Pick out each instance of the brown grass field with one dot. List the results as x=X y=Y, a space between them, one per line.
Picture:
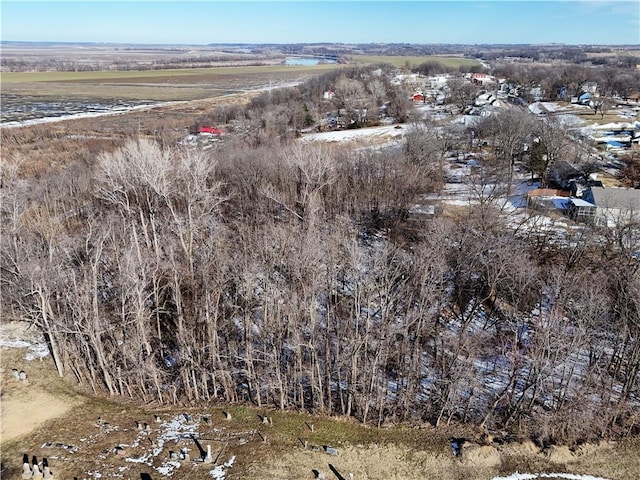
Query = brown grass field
x=159 y=85
x=178 y=75
x=52 y=146
x=414 y=61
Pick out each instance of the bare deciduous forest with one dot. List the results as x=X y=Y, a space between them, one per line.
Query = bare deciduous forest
x=295 y=276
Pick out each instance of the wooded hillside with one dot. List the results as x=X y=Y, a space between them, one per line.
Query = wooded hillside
x=297 y=276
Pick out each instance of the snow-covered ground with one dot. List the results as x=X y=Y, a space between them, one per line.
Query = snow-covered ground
x=542 y=108
x=80 y=115
x=373 y=134
x=173 y=430
x=19 y=335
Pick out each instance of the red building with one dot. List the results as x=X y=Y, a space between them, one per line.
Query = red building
x=210 y=130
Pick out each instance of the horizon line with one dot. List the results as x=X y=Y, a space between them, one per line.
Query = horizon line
x=89 y=42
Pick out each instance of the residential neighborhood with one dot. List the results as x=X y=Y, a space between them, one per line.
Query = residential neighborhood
x=596 y=197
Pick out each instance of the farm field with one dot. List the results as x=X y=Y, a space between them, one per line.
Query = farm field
x=168 y=76
x=32 y=95
x=414 y=61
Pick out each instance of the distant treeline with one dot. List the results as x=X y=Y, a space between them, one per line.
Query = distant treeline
x=50 y=59
x=115 y=64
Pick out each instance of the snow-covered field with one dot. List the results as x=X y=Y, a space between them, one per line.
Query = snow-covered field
x=173 y=431
x=104 y=111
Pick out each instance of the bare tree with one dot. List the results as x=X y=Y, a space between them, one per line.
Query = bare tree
x=554 y=141
x=460 y=92
x=509 y=133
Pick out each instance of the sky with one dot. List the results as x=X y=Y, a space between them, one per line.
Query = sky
x=610 y=22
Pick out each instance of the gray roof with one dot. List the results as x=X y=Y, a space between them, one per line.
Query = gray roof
x=623 y=198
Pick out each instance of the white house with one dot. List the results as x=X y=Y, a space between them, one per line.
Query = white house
x=438 y=81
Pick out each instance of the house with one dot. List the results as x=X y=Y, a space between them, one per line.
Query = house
x=328 y=95
x=562 y=173
x=438 y=81
x=536 y=93
x=614 y=205
x=485 y=99
x=205 y=130
x=411 y=80
x=563 y=93
x=633 y=97
x=482 y=78
x=418 y=97
x=583 y=98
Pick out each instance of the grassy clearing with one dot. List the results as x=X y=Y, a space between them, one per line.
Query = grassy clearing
x=414 y=61
x=597 y=119
x=618 y=53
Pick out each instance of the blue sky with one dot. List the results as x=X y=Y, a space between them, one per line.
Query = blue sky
x=203 y=22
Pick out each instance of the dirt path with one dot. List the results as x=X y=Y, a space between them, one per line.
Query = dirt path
x=25 y=406
x=24 y=411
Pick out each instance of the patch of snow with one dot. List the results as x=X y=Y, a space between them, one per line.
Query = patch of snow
x=142 y=459
x=14 y=344
x=460 y=203
x=389 y=131
x=76 y=116
x=12 y=335
x=538 y=108
x=218 y=472
x=172 y=430
x=37 y=351
x=167 y=468
x=616 y=126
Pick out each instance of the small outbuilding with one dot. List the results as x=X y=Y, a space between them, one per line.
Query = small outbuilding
x=547 y=199
x=209 y=130
x=581 y=210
